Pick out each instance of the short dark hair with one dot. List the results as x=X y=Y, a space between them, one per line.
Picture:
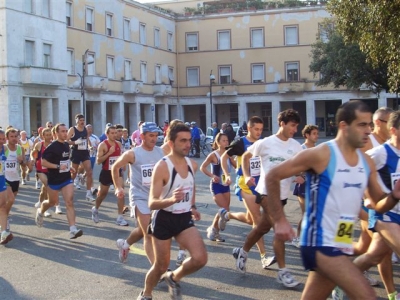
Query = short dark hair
x=175 y=129
x=119 y=126
x=289 y=115
x=254 y=120
x=307 y=129
x=57 y=127
x=394 y=120
x=79 y=116
x=347 y=111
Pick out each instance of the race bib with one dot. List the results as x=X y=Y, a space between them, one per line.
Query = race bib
x=255 y=166
x=67 y=164
x=111 y=161
x=147 y=171
x=393 y=179
x=83 y=145
x=11 y=165
x=185 y=204
x=344 y=233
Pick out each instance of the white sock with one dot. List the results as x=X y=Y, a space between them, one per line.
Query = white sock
x=125 y=245
x=88 y=192
x=72 y=228
x=120 y=217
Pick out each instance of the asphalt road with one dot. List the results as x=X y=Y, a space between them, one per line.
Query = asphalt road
x=43 y=263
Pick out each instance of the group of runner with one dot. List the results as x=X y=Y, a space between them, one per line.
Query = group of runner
x=330 y=180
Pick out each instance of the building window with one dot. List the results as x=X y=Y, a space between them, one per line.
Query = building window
x=127 y=70
x=224 y=40
x=127 y=30
x=171 y=75
x=158 y=74
x=142 y=33
x=193 y=76
x=291 y=35
x=69 y=13
x=89 y=19
x=143 y=72
x=324 y=32
x=109 y=24
x=29 y=53
x=192 y=41
x=170 y=41
x=257 y=73
x=71 y=62
x=91 y=68
x=292 y=71
x=257 y=37
x=225 y=75
x=28 y=6
x=46 y=8
x=46 y=56
x=110 y=67
x=157 y=37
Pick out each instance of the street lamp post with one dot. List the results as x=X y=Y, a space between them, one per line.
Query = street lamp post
x=85 y=62
x=212 y=79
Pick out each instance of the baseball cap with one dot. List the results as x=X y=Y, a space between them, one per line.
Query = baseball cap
x=166 y=121
x=148 y=127
x=108 y=125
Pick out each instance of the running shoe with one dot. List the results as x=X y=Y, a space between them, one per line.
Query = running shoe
x=95 y=215
x=337 y=293
x=112 y=188
x=39 y=218
x=181 y=257
x=94 y=191
x=395 y=258
x=123 y=253
x=37 y=204
x=6 y=236
x=47 y=214
x=38 y=185
x=121 y=222
x=222 y=212
x=268 y=261
x=28 y=178
x=241 y=257
x=141 y=297
x=75 y=234
x=173 y=287
x=82 y=180
x=89 y=197
x=23 y=182
x=213 y=235
x=296 y=242
x=76 y=183
x=286 y=278
x=371 y=281
x=58 y=210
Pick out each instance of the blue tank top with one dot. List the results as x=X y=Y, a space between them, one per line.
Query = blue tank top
x=3 y=159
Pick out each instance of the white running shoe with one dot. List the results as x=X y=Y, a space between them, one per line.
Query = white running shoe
x=75 y=234
x=173 y=287
x=39 y=218
x=6 y=236
x=76 y=183
x=337 y=293
x=89 y=197
x=95 y=215
x=112 y=188
x=123 y=253
x=268 y=261
x=296 y=242
x=121 y=222
x=47 y=214
x=286 y=278
x=38 y=185
x=23 y=182
x=181 y=257
x=58 y=210
x=371 y=281
x=222 y=218
x=37 y=204
x=241 y=258
x=213 y=235
x=82 y=180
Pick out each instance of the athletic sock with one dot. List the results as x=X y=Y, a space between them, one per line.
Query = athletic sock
x=72 y=228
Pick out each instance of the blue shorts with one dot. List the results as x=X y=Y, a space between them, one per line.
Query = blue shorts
x=300 y=190
x=309 y=255
x=252 y=189
x=3 y=185
x=374 y=216
x=217 y=188
x=92 y=161
x=58 y=187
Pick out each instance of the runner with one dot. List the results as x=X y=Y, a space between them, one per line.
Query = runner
x=108 y=152
x=337 y=175
x=245 y=193
x=94 y=141
x=172 y=199
x=220 y=191
x=310 y=133
x=27 y=144
x=136 y=135
x=141 y=161
x=78 y=138
x=5 y=193
x=56 y=159
x=272 y=151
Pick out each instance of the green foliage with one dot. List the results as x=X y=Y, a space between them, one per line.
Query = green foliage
x=375 y=26
x=344 y=64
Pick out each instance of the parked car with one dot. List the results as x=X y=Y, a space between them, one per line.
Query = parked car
x=160 y=137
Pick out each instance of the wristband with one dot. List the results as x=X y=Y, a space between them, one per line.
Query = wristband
x=194 y=206
x=58 y=167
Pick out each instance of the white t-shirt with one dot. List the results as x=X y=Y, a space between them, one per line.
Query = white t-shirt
x=272 y=151
x=94 y=141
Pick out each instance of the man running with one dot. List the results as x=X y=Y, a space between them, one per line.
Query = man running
x=56 y=159
x=141 y=160
x=172 y=199
x=27 y=144
x=78 y=138
x=337 y=175
x=107 y=154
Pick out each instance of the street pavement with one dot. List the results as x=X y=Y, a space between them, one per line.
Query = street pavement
x=43 y=263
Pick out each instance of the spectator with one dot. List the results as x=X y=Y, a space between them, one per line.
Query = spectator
x=165 y=128
x=196 y=138
x=243 y=129
x=137 y=141
x=215 y=130
x=103 y=136
x=230 y=133
x=223 y=127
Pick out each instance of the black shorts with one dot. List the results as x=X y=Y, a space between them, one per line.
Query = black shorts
x=300 y=190
x=283 y=201
x=164 y=225
x=14 y=185
x=78 y=156
x=105 y=177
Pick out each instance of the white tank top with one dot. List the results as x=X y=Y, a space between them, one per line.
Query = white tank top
x=175 y=181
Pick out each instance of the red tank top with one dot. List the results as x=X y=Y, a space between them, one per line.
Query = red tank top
x=39 y=159
x=107 y=164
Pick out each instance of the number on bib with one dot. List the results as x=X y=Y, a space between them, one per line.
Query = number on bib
x=255 y=166
x=147 y=171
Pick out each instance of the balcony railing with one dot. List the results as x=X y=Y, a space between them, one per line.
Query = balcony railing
x=161 y=90
x=96 y=83
x=132 y=86
x=43 y=76
x=291 y=87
